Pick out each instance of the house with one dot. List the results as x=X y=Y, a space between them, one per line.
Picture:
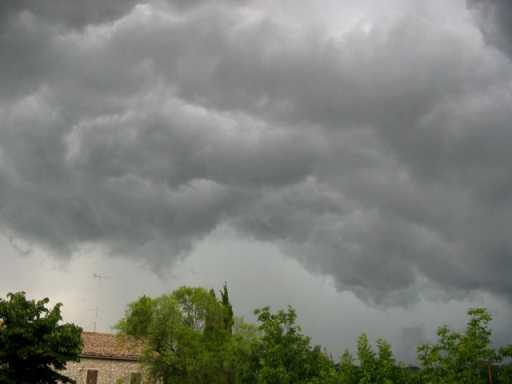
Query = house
x=107 y=359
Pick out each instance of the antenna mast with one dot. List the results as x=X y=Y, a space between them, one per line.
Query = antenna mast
x=99 y=277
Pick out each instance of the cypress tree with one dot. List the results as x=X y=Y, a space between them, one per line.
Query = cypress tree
x=228 y=309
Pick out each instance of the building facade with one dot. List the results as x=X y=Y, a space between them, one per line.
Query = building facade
x=107 y=359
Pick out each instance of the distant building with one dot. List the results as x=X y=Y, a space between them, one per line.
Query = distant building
x=107 y=359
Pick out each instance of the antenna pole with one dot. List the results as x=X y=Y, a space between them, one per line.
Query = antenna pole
x=95 y=317
x=99 y=277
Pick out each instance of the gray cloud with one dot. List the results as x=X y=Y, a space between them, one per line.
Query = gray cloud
x=376 y=156
x=410 y=338
x=495 y=18
x=80 y=14
x=70 y=14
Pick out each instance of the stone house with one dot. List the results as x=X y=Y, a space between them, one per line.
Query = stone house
x=107 y=359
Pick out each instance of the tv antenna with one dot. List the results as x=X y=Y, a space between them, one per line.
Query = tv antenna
x=100 y=277
x=96 y=310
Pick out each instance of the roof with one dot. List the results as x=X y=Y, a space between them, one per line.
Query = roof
x=110 y=346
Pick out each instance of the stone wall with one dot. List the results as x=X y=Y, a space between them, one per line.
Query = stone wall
x=109 y=371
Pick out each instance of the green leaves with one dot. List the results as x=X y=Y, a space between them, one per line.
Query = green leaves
x=193 y=337
x=185 y=334
x=33 y=342
x=140 y=315
x=374 y=368
x=284 y=355
x=228 y=309
x=461 y=357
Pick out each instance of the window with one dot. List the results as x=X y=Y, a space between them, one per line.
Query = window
x=92 y=376
x=135 y=378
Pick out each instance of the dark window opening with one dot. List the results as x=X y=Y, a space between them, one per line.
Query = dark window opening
x=92 y=376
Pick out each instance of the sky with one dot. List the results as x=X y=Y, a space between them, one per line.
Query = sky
x=350 y=158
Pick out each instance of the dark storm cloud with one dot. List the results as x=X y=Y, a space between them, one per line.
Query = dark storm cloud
x=81 y=13
x=378 y=157
x=69 y=13
x=495 y=16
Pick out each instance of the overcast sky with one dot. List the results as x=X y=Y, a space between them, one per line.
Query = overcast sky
x=349 y=157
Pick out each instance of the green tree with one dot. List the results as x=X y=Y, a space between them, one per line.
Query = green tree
x=245 y=336
x=374 y=368
x=461 y=357
x=34 y=344
x=228 y=309
x=367 y=361
x=228 y=322
x=388 y=370
x=137 y=318
x=386 y=363
x=505 y=371
x=349 y=372
x=283 y=355
x=185 y=335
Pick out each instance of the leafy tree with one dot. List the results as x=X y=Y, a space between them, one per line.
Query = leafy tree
x=283 y=355
x=374 y=368
x=245 y=337
x=185 y=335
x=349 y=372
x=34 y=344
x=505 y=371
x=385 y=361
x=367 y=361
x=137 y=317
x=193 y=337
x=461 y=357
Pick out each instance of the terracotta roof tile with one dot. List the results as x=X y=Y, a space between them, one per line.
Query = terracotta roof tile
x=110 y=346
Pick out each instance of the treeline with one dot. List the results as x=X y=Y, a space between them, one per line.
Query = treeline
x=192 y=336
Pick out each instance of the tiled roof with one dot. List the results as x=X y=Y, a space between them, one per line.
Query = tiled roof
x=109 y=346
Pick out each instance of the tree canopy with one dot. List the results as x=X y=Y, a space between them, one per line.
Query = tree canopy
x=186 y=334
x=193 y=337
x=34 y=344
x=464 y=357
x=283 y=354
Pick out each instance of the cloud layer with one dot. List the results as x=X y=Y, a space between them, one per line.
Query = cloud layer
x=494 y=17
x=376 y=152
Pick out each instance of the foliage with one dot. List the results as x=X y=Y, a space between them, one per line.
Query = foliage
x=140 y=314
x=34 y=344
x=193 y=337
x=349 y=373
x=185 y=335
x=228 y=309
x=505 y=371
x=373 y=367
x=245 y=337
x=461 y=357
x=283 y=355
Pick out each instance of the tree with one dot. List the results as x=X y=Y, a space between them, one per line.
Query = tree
x=505 y=371
x=373 y=368
x=283 y=355
x=228 y=309
x=228 y=322
x=461 y=357
x=245 y=336
x=349 y=372
x=34 y=345
x=367 y=361
x=185 y=335
x=137 y=318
